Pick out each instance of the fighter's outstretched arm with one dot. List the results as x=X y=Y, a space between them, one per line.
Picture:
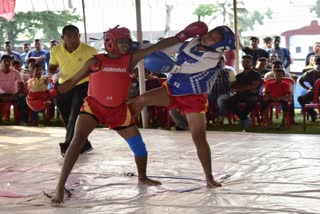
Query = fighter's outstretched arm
x=70 y=83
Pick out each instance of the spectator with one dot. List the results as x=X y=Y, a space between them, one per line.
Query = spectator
x=16 y=64
x=246 y=89
x=283 y=53
x=26 y=49
x=261 y=66
x=310 y=77
x=270 y=75
x=254 y=50
x=221 y=92
x=38 y=54
x=275 y=65
x=277 y=91
x=52 y=43
x=315 y=51
x=38 y=92
x=12 y=87
x=268 y=44
x=9 y=50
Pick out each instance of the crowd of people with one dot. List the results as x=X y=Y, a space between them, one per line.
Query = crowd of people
x=224 y=96
x=23 y=63
x=195 y=80
x=245 y=89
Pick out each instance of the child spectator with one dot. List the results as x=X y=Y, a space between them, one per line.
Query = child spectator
x=38 y=91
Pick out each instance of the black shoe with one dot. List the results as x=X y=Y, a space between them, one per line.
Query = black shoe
x=314 y=118
x=63 y=148
x=86 y=148
x=177 y=128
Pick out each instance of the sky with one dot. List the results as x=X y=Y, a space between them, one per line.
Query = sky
x=103 y=14
x=287 y=14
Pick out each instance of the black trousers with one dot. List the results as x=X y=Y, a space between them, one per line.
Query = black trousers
x=69 y=105
x=250 y=101
x=305 y=99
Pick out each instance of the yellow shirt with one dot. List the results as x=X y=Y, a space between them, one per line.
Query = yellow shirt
x=38 y=84
x=71 y=63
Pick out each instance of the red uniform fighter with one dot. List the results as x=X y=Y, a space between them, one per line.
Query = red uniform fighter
x=109 y=81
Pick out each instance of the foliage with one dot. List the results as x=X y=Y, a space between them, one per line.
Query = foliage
x=205 y=10
x=316 y=8
x=246 y=19
x=30 y=23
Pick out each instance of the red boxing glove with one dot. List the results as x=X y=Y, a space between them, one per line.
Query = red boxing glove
x=192 y=30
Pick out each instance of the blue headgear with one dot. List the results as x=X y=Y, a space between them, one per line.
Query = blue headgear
x=228 y=42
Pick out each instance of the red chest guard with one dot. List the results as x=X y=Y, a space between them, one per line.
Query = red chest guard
x=111 y=83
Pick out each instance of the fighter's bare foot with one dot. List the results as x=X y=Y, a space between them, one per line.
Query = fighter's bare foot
x=58 y=197
x=148 y=181
x=212 y=183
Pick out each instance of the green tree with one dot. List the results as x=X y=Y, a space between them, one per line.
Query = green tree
x=316 y=8
x=29 y=23
x=205 y=10
x=246 y=19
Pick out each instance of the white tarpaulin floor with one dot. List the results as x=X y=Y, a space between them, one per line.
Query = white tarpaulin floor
x=261 y=173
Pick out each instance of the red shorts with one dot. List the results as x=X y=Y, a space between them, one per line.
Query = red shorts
x=119 y=116
x=193 y=103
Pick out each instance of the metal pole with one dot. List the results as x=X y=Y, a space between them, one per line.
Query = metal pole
x=84 y=21
x=142 y=84
x=235 y=18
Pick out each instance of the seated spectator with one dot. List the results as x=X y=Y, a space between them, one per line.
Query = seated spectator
x=16 y=64
x=273 y=57
x=39 y=82
x=310 y=77
x=220 y=92
x=270 y=75
x=310 y=65
x=276 y=65
x=261 y=66
x=277 y=91
x=315 y=51
x=12 y=88
x=246 y=89
x=38 y=91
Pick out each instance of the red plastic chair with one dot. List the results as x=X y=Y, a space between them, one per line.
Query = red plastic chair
x=314 y=104
x=277 y=105
x=7 y=111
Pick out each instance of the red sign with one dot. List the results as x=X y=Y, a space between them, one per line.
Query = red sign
x=7 y=9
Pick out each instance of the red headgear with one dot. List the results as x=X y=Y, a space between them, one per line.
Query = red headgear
x=111 y=36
